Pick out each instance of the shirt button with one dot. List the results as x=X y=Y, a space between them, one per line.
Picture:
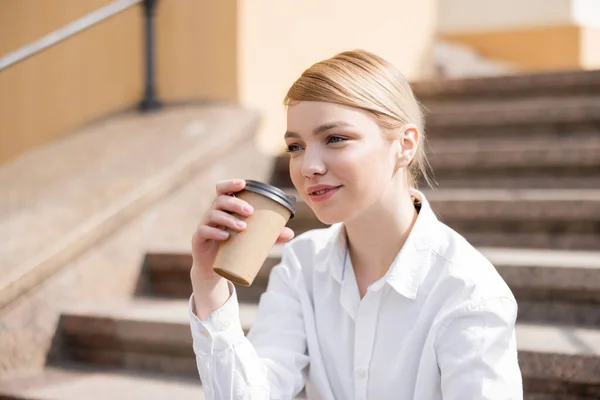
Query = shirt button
x=361 y=374
x=205 y=333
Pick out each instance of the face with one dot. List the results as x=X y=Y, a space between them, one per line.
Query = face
x=340 y=161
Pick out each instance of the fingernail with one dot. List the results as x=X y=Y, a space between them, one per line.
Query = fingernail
x=247 y=209
x=223 y=234
x=241 y=224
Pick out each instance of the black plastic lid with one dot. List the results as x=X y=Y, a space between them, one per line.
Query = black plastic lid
x=273 y=193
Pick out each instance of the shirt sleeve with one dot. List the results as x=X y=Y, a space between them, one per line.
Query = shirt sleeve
x=270 y=362
x=477 y=352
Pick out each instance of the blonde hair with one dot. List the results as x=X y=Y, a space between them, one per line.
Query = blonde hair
x=365 y=81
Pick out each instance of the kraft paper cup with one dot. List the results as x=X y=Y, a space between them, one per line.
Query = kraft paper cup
x=241 y=256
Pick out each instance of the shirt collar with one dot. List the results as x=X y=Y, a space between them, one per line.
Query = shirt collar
x=410 y=266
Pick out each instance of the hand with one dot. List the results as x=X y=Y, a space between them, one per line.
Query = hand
x=211 y=231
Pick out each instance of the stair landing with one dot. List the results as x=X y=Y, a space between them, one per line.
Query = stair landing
x=58 y=200
x=77 y=384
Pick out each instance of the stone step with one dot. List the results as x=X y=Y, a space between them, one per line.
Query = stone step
x=55 y=383
x=76 y=382
x=561 y=179
x=559 y=360
x=167 y=275
x=555 y=164
x=524 y=218
x=550 y=396
x=514 y=118
x=549 y=84
x=527 y=218
x=500 y=178
x=142 y=334
x=552 y=286
x=155 y=335
x=527 y=163
x=60 y=200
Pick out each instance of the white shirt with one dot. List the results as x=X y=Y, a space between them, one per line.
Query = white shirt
x=439 y=325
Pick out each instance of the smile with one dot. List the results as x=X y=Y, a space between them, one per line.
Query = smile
x=323 y=194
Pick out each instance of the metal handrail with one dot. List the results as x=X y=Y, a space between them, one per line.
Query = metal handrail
x=66 y=31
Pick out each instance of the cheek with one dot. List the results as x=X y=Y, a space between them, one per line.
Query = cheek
x=296 y=173
x=372 y=173
x=368 y=168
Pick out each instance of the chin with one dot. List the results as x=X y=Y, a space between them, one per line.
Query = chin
x=330 y=217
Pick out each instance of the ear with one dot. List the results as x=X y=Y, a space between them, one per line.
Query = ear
x=408 y=143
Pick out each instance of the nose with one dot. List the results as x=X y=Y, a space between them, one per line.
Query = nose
x=312 y=164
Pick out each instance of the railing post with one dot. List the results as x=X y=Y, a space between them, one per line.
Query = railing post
x=149 y=102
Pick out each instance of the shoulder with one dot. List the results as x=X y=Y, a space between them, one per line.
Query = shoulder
x=465 y=275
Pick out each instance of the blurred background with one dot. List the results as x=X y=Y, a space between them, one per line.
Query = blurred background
x=118 y=116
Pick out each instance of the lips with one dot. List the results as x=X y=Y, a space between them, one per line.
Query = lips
x=322 y=192
x=321 y=189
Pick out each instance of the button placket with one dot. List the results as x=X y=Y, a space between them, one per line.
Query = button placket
x=365 y=329
x=361 y=374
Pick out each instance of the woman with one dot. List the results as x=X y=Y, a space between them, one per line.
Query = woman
x=387 y=303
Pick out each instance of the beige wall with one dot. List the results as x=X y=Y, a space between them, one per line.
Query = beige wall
x=23 y=21
x=590 y=48
x=532 y=35
x=535 y=48
x=100 y=70
x=461 y=16
x=246 y=51
x=74 y=82
x=279 y=39
x=197 y=49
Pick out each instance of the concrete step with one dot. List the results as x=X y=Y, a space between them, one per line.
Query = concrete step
x=552 y=286
x=528 y=218
x=149 y=335
x=545 y=162
x=514 y=118
x=518 y=180
x=76 y=382
x=54 y=383
x=60 y=200
x=551 y=396
x=499 y=178
x=142 y=334
x=547 y=84
x=524 y=218
x=559 y=360
x=556 y=164
x=167 y=275
x=100 y=384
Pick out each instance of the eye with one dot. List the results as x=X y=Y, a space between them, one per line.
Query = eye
x=335 y=139
x=293 y=148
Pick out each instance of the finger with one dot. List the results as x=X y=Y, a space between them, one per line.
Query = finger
x=285 y=235
x=218 y=218
x=230 y=186
x=205 y=232
x=234 y=205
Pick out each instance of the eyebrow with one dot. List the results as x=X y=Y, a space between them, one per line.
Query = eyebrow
x=320 y=129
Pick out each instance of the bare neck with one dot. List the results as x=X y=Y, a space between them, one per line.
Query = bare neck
x=376 y=237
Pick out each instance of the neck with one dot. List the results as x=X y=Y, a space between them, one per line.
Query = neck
x=377 y=235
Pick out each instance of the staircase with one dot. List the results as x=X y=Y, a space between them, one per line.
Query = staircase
x=518 y=165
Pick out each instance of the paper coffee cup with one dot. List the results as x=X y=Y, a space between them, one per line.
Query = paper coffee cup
x=241 y=256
